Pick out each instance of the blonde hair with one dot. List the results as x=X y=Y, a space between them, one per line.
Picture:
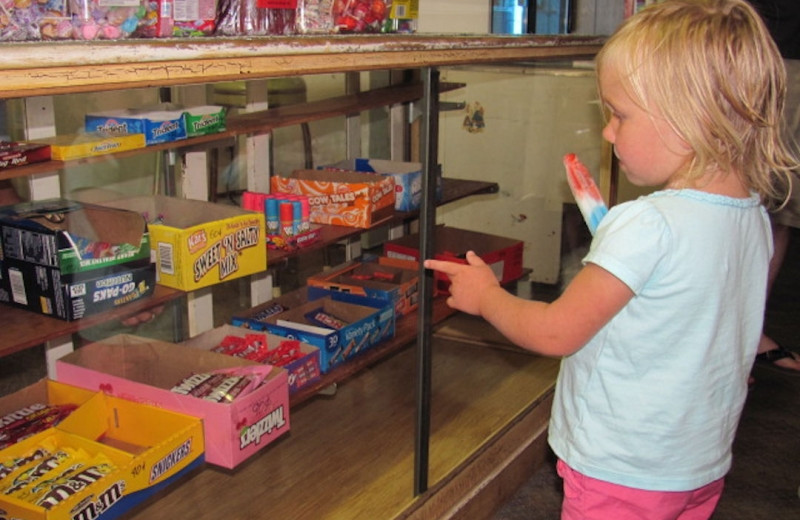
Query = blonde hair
x=712 y=70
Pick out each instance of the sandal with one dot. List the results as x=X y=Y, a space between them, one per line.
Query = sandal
x=767 y=359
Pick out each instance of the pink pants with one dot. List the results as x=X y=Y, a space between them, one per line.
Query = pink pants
x=586 y=498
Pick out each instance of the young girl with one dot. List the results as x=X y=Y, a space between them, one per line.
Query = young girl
x=659 y=328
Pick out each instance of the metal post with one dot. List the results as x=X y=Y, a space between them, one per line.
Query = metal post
x=429 y=140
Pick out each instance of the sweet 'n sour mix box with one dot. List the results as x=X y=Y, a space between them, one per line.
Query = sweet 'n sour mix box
x=70 y=259
x=196 y=244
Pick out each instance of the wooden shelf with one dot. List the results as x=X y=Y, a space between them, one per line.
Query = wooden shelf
x=252 y=123
x=54 y=67
x=452 y=190
x=21 y=329
x=351 y=455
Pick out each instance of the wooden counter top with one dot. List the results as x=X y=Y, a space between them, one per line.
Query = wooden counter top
x=62 y=67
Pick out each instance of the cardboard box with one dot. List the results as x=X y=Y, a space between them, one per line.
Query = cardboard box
x=162 y=123
x=19 y=154
x=36 y=397
x=69 y=259
x=301 y=372
x=407 y=179
x=77 y=146
x=369 y=321
x=143 y=461
x=197 y=244
x=504 y=255
x=144 y=370
x=73 y=237
x=31 y=287
x=341 y=198
x=389 y=279
x=204 y=120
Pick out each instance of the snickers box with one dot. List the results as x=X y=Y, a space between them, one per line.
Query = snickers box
x=142 y=370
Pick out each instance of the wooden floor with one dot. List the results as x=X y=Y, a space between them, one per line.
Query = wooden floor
x=351 y=456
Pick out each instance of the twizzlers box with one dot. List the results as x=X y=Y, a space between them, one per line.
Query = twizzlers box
x=196 y=244
x=142 y=370
x=341 y=198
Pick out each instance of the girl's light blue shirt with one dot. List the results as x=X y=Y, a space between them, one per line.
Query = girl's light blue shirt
x=654 y=399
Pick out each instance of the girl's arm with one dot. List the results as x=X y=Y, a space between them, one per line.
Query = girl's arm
x=554 y=329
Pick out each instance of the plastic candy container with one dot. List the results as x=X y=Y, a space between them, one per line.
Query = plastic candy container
x=315 y=16
x=256 y=17
x=22 y=20
x=358 y=16
x=347 y=16
x=106 y=20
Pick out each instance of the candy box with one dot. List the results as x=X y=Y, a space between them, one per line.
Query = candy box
x=407 y=179
x=69 y=259
x=22 y=413
x=77 y=146
x=197 y=244
x=204 y=120
x=341 y=198
x=504 y=255
x=43 y=290
x=302 y=370
x=365 y=322
x=144 y=370
x=389 y=279
x=160 y=124
x=125 y=463
x=19 y=154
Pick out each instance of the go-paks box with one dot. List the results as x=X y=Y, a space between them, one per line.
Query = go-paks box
x=341 y=198
x=197 y=244
x=69 y=259
x=98 y=462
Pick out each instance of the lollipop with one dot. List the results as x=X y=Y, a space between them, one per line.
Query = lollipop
x=585 y=192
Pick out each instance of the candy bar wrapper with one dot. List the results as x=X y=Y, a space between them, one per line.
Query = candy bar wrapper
x=323 y=319
x=256 y=17
x=223 y=385
x=272 y=310
x=30 y=420
x=20 y=484
x=585 y=191
x=11 y=465
x=83 y=473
